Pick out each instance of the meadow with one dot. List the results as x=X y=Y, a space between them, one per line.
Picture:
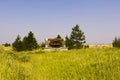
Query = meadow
x=82 y=64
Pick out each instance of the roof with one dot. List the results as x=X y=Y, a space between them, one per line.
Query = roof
x=55 y=39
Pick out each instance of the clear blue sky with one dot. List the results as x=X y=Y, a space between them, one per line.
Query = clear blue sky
x=98 y=19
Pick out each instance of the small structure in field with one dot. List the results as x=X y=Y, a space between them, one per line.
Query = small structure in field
x=55 y=44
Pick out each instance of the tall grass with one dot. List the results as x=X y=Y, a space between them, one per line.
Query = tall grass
x=83 y=64
x=12 y=67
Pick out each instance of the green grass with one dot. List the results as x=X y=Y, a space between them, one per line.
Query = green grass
x=83 y=64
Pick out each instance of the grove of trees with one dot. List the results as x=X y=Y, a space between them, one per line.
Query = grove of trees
x=28 y=43
x=74 y=41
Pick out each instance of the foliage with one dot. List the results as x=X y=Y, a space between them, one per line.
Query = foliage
x=86 y=46
x=17 y=44
x=25 y=43
x=68 y=42
x=6 y=44
x=116 y=42
x=76 y=39
x=58 y=36
x=42 y=45
x=29 y=43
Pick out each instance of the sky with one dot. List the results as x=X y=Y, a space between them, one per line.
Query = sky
x=98 y=19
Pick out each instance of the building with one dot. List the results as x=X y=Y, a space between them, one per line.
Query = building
x=55 y=44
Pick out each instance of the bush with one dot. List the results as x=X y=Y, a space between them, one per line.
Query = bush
x=6 y=44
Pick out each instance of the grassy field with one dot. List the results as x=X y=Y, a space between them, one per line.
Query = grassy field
x=83 y=64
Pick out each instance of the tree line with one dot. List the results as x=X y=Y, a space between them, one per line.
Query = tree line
x=75 y=40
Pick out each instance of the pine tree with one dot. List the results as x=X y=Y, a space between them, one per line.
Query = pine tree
x=68 y=42
x=25 y=43
x=17 y=44
x=58 y=36
x=77 y=37
x=30 y=42
x=42 y=45
x=116 y=42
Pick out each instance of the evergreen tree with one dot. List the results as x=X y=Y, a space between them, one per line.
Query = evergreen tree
x=77 y=37
x=25 y=43
x=42 y=45
x=30 y=42
x=58 y=36
x=17 y=44
x=68 y=42
x=116 y=42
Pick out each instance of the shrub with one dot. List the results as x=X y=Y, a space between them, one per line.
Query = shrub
x=6 y=44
